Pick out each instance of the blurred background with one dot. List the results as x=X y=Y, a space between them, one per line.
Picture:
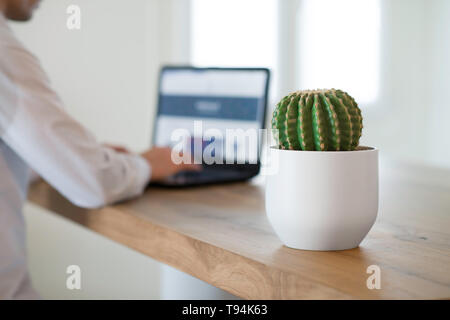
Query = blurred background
x=391 y=55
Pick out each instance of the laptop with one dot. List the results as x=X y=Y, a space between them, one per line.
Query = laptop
x=212 y=116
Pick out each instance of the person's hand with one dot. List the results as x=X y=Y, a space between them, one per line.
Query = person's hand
x=162 y=165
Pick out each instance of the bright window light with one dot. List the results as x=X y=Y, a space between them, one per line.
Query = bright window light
x=340 y=46
x=234 y=33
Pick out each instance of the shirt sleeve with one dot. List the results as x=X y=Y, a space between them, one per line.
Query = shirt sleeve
x=55 y=145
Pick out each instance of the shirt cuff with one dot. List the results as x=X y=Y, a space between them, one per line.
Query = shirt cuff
x=143 y=173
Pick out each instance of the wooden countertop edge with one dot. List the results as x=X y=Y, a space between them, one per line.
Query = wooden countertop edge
x=245 y=276
x=216 y=266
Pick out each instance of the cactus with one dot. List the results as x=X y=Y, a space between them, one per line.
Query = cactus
x=321 y=120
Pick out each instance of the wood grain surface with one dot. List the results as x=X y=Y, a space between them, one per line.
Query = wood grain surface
x=220 y=234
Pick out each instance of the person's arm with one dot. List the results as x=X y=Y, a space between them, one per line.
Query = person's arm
x=59 y=149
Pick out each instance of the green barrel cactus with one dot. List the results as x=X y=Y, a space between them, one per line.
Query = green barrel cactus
x=321 y=120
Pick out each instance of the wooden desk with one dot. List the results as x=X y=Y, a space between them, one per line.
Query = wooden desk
x=220 y=234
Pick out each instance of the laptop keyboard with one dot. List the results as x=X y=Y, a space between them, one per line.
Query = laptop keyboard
x=209 y=174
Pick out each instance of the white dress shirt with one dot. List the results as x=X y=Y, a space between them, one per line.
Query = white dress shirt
x=36 y=132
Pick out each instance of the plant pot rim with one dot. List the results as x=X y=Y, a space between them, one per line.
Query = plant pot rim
x=358 y=150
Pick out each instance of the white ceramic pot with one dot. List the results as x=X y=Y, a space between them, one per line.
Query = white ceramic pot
x=323 y=200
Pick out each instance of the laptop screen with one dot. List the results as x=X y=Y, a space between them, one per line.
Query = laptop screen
x=220 y=110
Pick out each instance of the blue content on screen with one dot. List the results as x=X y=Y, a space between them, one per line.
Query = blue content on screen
x=242 y=108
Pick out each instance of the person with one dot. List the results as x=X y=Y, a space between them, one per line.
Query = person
x=36 y=133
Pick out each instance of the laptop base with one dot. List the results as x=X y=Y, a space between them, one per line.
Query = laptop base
x=212 y=174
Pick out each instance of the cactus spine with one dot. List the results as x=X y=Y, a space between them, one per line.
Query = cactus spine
x=321 y=120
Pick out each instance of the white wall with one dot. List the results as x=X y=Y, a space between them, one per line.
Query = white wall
x=112 y=42
x=395 y=121
x=106 y=74
x=438 y=102
x=409 y=119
